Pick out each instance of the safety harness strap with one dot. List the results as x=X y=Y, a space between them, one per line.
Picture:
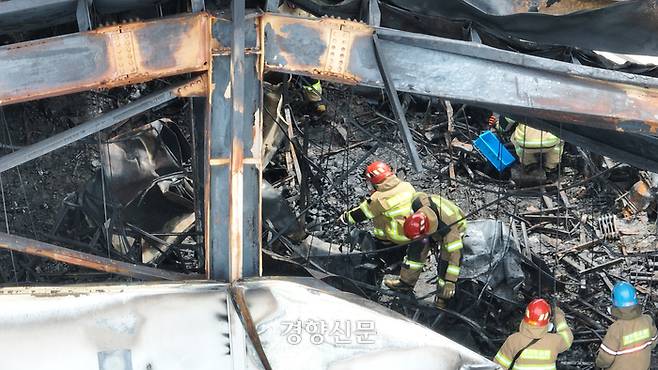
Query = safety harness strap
x=518 y=354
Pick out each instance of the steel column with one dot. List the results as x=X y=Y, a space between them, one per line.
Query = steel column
x=233 y=222
x=342 y=51
x=103 y=58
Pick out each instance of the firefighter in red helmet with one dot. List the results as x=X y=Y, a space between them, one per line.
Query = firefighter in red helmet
x=386 y=207
x=534 y=346
x=435 y=220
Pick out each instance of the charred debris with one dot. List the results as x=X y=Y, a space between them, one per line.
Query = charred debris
x=127 y=201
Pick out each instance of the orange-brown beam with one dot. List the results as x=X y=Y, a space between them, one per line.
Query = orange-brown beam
x=61 y=254
x=107 y=57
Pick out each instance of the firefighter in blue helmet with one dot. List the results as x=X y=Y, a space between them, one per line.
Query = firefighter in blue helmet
x=628 y=343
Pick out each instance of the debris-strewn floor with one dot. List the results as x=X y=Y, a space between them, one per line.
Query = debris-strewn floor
x=572 y=226
x=33 y=193
x=572 y=229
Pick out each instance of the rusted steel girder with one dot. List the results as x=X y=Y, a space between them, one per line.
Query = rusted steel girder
x=527 y=86
x=233 y=167
x=61 y=254
x=103 y=58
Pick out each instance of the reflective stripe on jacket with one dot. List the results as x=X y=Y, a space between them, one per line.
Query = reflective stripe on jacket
x=531 y=138
x=387 y=207
x=542 y=354
x=446 y=226
x=629 y=341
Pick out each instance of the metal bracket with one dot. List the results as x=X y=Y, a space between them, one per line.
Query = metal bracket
x=83 y=15
x=338 y=51
x=198 y=6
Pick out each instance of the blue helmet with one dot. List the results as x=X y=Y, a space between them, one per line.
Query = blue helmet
x=623 y=295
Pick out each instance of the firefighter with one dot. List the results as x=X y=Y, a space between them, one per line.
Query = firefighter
x=628 y=343
x=533 y=347
x=313 y=88
x=435 y=220
x=386 y=207
x=537 y=148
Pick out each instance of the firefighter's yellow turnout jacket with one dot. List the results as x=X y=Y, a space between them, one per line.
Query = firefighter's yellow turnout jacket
x=540 y=355
x=628 y=343
x=387 y=208
x=446 y=226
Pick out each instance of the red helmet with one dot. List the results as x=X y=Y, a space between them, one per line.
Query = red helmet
x=416 y=225
x=537 y=313
x=378 y=171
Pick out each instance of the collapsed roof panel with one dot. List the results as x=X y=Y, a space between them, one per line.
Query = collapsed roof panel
x=301 y=323
x=627 y=27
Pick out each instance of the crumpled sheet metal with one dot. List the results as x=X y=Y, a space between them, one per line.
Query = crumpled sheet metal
x=146 y=182
x=107 y=327
x=489 y=257
x=133 y=160
x=188 y=326
x=378 y=339
x=627 y=27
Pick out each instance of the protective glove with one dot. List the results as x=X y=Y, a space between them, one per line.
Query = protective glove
x=558 y=313
x=447 y=291
x=343 y=219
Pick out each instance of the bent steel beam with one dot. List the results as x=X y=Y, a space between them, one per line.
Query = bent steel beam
x=61 y=254
x=342 y=51
x=104 y=58
x=194 y=87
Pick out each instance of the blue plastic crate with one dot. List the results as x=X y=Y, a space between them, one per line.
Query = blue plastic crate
x=493 y=150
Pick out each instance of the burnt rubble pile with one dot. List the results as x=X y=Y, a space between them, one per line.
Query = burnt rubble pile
x=572 y=237
x=130 y=193
x=101 y=195
x=164 y=191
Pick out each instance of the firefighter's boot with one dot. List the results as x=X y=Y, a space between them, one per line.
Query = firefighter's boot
x=440 y=302
x=405 y=283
